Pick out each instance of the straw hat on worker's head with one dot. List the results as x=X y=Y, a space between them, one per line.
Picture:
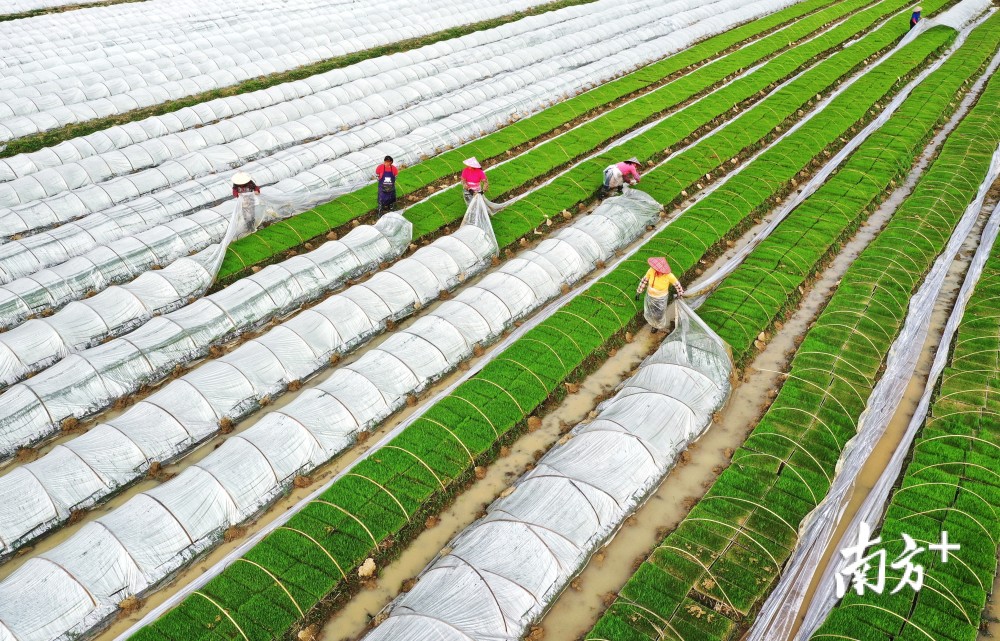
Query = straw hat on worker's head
x=659 y=263
x=633 y=161
x=472 y=162
x=918 y=8
x=241 y=178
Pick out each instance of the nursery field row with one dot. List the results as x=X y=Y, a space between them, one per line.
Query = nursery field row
x=415 y=615
x=692 y=168
x=387 y=496
x=41 y=402
x=712 y=60
x=946 y=492
x=949 y=486
x=670 y=132
x=786 y=464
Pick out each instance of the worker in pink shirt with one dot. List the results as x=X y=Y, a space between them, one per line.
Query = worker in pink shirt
x=474 y=179
x=616 y=175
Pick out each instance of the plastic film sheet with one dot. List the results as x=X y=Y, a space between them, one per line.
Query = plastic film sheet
x=38 y=343
x=500 y=574
x=88 y=381
x=190 y=512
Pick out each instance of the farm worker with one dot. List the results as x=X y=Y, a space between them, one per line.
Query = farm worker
x=915 y=18
x=657 y=282
x=245 y=188
x=386 y=174
x=474 y=179
x=616 y=175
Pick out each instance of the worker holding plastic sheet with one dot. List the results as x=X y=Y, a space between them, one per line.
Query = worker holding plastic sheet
x=657 y=283
x=474 y=179
x=386 y=174
x=245 y=189
x=616 y=175
x=915 y=17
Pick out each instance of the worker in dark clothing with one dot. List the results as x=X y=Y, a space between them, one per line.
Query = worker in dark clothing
x=386 y=175
x=915 y=18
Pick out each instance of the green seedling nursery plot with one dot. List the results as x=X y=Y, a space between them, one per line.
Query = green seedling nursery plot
x=949 y=485
x=735 y=539
x=387 y=497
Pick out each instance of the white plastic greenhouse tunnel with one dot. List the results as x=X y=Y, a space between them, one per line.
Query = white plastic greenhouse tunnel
x=381 y=108
x=189 y=409
x=227 y=132
x=77 y=585
x=88 y=381
x=499 y=575
x=65 y=71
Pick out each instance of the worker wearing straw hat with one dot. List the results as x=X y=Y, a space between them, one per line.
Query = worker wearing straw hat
x=244 y=184
x=915 y=17
x=474 y=179
x=656 y=283
x=245 y=189
x=616 y=175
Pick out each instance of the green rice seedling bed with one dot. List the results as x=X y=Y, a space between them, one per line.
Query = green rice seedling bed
x=271 y=243
x=4 y=17
x=950 y=483
x=785 y=467
x=382 y=504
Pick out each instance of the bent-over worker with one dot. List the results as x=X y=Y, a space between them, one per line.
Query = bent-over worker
x=616 y=175
x=474 y=179
x=657 y=283
x=386 y=174
x=915 y=17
